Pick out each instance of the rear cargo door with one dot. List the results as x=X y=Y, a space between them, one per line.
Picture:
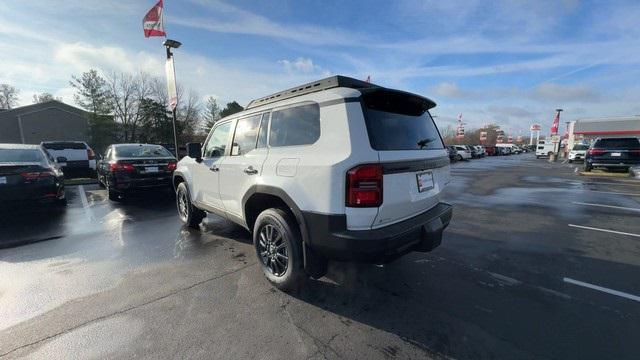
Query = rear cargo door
x=414 y=161
x=73 y=151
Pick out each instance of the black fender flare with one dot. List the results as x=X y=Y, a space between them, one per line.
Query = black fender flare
x=275 y=191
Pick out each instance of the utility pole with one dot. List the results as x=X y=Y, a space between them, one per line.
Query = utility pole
x=172 y=87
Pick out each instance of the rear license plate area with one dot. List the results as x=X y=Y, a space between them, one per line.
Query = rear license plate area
x=151 y=169
x=425 y=181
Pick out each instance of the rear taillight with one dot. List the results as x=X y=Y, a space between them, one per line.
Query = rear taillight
x=171 y=166
x=37 y=175
x=364 y=186
x=90 y=154
x=117 y=166
x=596 y=151
x=635 y=152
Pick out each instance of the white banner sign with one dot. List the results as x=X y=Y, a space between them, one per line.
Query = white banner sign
x=171 y=83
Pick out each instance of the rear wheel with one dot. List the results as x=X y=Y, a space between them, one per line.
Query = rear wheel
x=278 y=246
x=189 y=214
x=459 y=157
x=587 y=167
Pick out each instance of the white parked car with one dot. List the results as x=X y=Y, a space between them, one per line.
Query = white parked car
x=578 y=152
x=463 y=152
x=80 y=158
x=334 y=169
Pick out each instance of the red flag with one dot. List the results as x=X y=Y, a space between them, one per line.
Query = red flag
x=152 y=22
x=556 y=123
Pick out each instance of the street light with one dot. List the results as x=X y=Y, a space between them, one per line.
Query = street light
x=169 y=44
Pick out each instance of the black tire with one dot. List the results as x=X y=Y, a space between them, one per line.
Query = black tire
x=277 y=241
x=61 y=202
x=570 y=161
x=587 y=167
x=189 y=214
x=460 y=157
x=100 y=183
x=537 y=156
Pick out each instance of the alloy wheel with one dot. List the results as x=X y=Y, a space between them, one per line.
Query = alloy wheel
x=272 y=249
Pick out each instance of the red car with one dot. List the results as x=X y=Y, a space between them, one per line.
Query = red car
x=490 y=150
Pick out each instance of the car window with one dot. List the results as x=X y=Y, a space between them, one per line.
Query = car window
x=298 y=125
x=628 y=143
x=217 y=143
x=246 y=134
x=397 y=121
x=64 y=146
x=580 y=147
x=21 y=155
x=262 y=135
x=141 y=151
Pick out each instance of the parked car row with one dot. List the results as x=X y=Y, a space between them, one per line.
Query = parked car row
x=466 y=152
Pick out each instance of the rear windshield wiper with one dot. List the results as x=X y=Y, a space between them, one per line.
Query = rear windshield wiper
x=422 y=143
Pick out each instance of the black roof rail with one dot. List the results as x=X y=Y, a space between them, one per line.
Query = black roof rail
x=319 y=85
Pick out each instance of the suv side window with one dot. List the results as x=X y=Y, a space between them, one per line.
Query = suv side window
x=298 y=125
x=218 y=140
x=262 y=135
x=244 y=139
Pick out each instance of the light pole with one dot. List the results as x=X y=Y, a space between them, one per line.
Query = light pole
x=168 y=44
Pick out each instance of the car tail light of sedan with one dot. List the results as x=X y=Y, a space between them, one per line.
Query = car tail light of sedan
x=634 y=152
x=118 y=166
x=37 y=175
x=364 y=186
x=172 y=165
x=596 y=151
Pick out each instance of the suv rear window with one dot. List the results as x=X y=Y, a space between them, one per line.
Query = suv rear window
x=298 y=125
x=399 y=121
x=64 y=146
x=20 y=155
x=580 y=147
x=628 y=143
x=142 y=151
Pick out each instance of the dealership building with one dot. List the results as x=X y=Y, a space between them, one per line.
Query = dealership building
x=48 y=121
x=588 y=129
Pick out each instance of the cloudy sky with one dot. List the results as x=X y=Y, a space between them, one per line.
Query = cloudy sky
x=506 y=62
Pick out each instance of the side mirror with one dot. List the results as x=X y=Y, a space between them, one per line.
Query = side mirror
x=61 y=159
x=194 y=150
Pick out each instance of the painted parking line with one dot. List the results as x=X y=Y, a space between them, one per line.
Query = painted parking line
x=85 y=203
x=612 y=192
x=604 y=230
x=607 y=206
x=603 y=289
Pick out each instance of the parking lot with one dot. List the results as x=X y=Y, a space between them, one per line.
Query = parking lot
x=538 y=262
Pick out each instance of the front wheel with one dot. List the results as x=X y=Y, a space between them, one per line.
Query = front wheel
x=189 y=214
x=279 y=249
x=459 y=157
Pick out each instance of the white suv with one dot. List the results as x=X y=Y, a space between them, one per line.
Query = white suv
x=334 y=169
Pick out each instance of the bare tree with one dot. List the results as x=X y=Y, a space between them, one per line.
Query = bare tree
x=189 y=114
x=8 y=96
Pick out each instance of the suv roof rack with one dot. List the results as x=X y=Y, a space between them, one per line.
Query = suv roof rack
x=319 y=85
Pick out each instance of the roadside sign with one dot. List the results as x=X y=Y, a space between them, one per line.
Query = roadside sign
x=171 y=83
x=555 y=139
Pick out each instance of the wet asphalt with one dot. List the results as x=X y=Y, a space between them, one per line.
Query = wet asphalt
x=118 y=280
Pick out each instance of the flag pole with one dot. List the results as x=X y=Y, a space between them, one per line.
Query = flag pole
x=173 y=95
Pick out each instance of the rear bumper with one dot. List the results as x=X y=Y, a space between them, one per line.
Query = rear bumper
x=328 y=235
x=39 y=193
x=132 y=184
x=613 y=163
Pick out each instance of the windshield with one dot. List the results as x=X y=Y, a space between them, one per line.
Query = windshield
x=141 y=151
x=21 y=155
x=397 y=121
x=580 y=147
x=627 y=143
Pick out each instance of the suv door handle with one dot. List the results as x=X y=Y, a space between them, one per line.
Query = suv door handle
x=214 y=168
x=250 y=171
